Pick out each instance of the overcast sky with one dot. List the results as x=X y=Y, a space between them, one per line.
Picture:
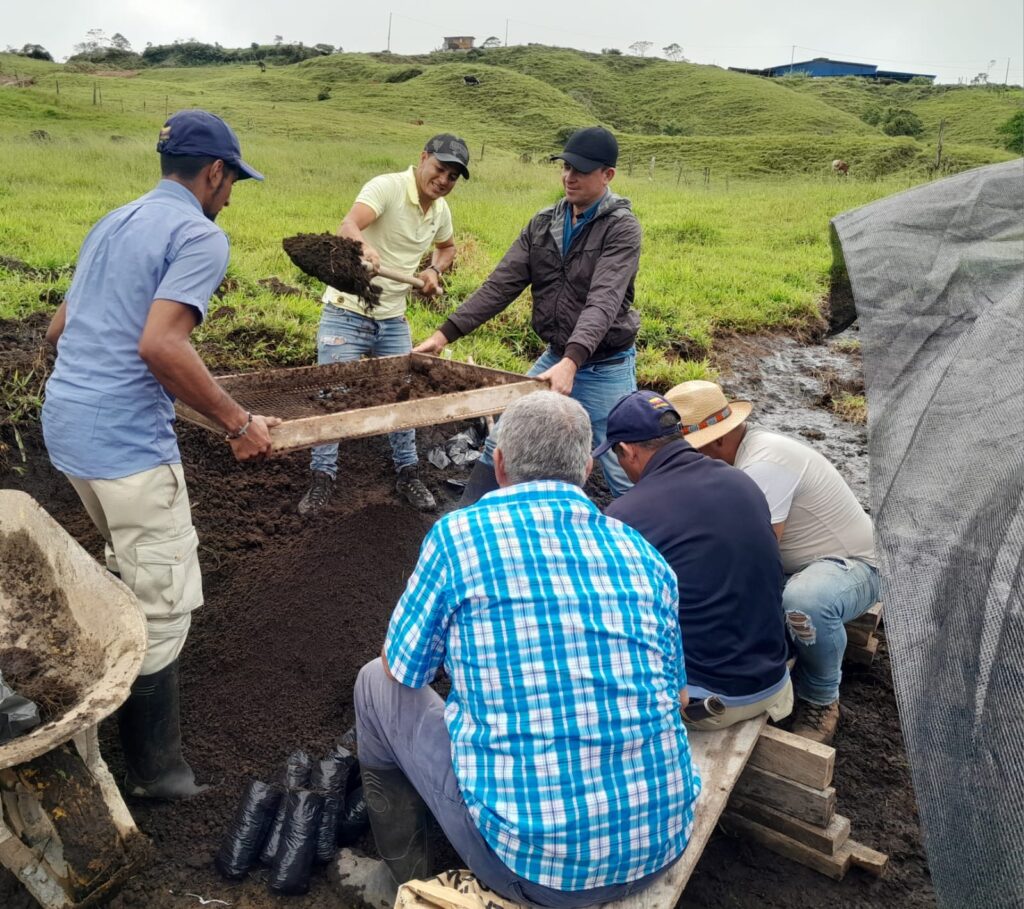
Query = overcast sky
x=954 y=39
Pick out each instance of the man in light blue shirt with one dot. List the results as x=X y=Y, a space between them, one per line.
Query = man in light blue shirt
x=143 y=280
x=559 y=768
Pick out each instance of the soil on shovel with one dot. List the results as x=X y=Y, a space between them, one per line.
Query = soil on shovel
x=337 y=261
x=43 y=654
x=294 y=608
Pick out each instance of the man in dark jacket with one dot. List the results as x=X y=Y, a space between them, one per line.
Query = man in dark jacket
x=714 y=528
x=580 y=258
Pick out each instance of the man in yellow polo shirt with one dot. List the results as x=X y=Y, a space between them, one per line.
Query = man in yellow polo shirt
x=397 y=218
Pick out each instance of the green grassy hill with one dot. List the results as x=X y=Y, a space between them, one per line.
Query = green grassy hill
x=972 y=112
x=744 y=248
x=687 y=116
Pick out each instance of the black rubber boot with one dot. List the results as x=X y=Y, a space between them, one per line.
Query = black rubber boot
x=481 y=481
x=151 y=739
x=399 y=820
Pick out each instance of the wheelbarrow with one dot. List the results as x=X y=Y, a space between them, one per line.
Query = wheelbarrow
x=65 y=831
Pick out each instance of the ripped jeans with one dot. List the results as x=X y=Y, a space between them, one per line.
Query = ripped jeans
x=344 y=336
x=818 y=601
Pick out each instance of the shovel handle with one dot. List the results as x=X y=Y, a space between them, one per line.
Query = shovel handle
x=393 y=275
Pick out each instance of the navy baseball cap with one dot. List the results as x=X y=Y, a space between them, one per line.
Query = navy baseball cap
x=590 y=148
x=451 y=150
x=639 y=417
x=200 y=134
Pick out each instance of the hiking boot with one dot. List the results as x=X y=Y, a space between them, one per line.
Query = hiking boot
x=410 y=487
x=318 y=495
x=816 y=722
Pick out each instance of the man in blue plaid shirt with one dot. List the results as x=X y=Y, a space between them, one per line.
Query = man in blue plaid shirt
x=559 y=768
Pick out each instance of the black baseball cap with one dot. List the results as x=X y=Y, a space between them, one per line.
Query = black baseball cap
x=590 y=148
x=639 y=417
x=200 y=134
x=451 y=150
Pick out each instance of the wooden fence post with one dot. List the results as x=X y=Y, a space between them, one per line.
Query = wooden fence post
x=58 y=85
x=650 y=169
x=483 y=145
x=94 y=94
x=707 y=176
x=629 y=170
x=679 y=175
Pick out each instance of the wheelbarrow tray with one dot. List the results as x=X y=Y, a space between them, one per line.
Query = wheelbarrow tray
x=105 y=610
x=287 y=393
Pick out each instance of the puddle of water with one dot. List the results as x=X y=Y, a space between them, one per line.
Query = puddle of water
x=781 y=376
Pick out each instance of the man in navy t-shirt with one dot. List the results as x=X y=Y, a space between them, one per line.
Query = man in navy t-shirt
x=713 y=527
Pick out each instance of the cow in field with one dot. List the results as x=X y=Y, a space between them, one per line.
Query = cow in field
x=840 y=167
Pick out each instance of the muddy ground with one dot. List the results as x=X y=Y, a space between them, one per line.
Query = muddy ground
x=294 y=608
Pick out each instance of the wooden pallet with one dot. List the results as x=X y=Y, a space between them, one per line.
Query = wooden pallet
x=785 y=801
x=862 y=638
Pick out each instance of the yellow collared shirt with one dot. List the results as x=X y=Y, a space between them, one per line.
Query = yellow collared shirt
x=402 y=233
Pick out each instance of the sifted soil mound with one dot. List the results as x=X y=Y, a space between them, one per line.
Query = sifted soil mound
x=293 y=610
x=337 y=261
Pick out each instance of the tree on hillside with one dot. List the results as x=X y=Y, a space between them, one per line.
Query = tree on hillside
x=613 y=51
x=278 y=40
x=673 y=52
x=493 y=41
x=325 y=49
x=120 y=42
x=640 y=48
x=1013 y=133
x=95 y=39
x=35 y=51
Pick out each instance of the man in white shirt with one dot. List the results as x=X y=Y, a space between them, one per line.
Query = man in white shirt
x=825 y=539
x=397 y=218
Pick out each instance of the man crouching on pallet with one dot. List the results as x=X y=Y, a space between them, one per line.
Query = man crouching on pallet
x=559 y=769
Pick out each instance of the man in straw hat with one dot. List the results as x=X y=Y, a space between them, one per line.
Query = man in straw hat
x=824 y=536
x=711 y=524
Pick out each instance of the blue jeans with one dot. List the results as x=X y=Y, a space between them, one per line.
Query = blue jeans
x=398 y=726
x=344 y=336
x=598 y=387
x=818 y=601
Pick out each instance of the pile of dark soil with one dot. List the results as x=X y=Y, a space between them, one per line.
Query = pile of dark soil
x=43 y=654
x=294 y=609
x=422 y=381
x=337 y=261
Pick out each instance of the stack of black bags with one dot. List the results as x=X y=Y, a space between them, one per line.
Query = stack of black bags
x=302 y=820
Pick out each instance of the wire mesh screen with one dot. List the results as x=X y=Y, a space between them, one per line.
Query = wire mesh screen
x=937 y=275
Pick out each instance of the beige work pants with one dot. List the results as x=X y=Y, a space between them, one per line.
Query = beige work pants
x=146 y=521
x=778 y=706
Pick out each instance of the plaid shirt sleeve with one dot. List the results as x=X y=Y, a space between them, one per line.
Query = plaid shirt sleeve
x=672 y=640
x=415 y=642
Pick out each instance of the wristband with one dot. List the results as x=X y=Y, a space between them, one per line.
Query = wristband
x=434 y=268
x=241 y=431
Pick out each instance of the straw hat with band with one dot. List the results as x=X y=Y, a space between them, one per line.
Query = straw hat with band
x=705 y=412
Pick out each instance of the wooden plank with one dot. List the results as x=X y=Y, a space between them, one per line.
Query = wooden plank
x=720 y=756
x=867 y=620
x=824 y=839
x=498 y=390
x=815 y=806
x=858 y=637
x=794 y=757
x=868 y=859
x=833 y=866
x=862 y=656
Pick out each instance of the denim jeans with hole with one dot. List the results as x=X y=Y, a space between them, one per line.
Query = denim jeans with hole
x=598 y=387
x=345 y=336
x=818 y=601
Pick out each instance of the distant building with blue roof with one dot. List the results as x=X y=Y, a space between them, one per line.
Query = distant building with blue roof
x=822 y=67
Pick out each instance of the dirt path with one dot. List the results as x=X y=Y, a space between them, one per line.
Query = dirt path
x=293 y=609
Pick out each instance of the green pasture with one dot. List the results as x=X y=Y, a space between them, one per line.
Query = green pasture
x=735 y=211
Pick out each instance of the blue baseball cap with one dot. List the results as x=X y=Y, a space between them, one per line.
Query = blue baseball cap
x=639 y=417
x=200 y=134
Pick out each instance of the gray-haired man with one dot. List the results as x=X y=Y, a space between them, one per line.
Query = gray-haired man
x=561 y=779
